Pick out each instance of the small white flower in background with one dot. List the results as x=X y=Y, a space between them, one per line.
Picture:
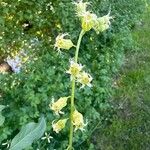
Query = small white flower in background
x=4 y=4
x=85 y=79
x=62 y=43
x=49 y=6
x=58 y=105
x=7 y=143
x=78 y=121
x=59 y=125
x=81 y=7
x=25 y=25
x=34 y=41
x=102 y=23
x=47 y=137
x=74 y=69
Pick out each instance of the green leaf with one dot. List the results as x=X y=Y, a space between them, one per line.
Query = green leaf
x=2 y=107
x=2 y=118
x=30 y=132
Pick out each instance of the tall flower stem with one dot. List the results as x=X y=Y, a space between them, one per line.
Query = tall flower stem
x=73 y=92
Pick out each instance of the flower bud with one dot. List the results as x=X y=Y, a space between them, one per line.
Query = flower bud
x=74 y=69
x=59 y=105
x=85 y=79
x=58 y=126
x=78 y=121
x=62 y=43
x=88 y=21
x=102 y=23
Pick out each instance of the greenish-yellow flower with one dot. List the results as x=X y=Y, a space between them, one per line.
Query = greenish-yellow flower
x=77 y=120
x=59 y=105
x=88 y=21
x=74 y=69
x=62 y=43
x=59 y=125
x=81 y=7
x=102 y=23
x=85 y=79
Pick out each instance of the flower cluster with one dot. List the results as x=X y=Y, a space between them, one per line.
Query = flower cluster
x=57 y=107
x=90 y=20
x=76 y=72
x=77 y=119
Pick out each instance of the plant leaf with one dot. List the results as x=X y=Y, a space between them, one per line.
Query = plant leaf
x=2 y=118
x=30 y=132
x=2 y=107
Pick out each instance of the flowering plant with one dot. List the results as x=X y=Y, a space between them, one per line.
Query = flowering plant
x=28 y=92
x=88 y=21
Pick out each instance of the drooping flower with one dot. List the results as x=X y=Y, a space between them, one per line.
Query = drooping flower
x=59 y=125
x=81 y=7
x=85 y=79
x=102 y=23
x=74 y=69
x=62 y=43
x=77 y=120
x=47 y=137
x=88 y=20
x=58 y=105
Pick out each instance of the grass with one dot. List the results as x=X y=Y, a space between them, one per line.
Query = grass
x=130 y=127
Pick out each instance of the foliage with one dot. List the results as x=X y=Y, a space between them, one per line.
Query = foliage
x=130 y=126
x=30 y=132
x=32 y=26
x=2 y=118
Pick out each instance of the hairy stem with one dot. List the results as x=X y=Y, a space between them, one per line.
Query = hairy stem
x=73 y=93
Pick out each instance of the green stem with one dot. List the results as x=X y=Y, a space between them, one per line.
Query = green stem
x=78 y=45
x=73 y=92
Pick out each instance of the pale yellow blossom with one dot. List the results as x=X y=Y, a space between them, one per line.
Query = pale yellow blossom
x=81 y=7
x=77 y=120
x=102 y=23
x=58 y=105
x=62 y=43
x=74 y=69
x=59 y=125
x=88 y=20
x=85 y=79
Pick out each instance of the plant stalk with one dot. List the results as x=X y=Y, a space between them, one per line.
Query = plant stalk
x=73 y=92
